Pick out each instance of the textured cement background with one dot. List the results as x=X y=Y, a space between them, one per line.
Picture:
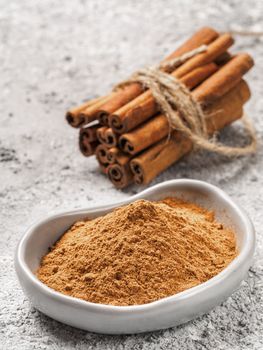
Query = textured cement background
x=53 y=55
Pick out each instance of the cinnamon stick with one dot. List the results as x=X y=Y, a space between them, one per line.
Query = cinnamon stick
x=87 y=148
x=73 y=116
x=217 y=85
x=120 y=98
x=145 y=135
x=89 y=133
x=215 y=49
x=107 y=137
x=160 y=156
x=88 y=115
x=224 y=79
x=144 y=106
x=111 y=138
x=101 y=154
x=204 y=36
x=115 y=155
x=119 y=172
x=88 y=141
x=101 y=134
x=120 y=176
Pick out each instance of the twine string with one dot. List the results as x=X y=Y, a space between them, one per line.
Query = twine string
x=182 y=111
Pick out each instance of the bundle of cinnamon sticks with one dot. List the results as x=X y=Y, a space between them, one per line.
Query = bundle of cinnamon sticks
x=129 y=134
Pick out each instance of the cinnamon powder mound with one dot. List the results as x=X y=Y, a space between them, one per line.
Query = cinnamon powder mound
x=139 y=253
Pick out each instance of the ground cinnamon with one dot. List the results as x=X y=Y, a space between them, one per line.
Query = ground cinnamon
x=139 y=253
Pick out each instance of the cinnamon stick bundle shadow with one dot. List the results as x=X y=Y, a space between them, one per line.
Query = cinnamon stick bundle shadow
x=160 y=156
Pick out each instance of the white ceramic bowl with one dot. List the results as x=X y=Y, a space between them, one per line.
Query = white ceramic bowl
x=160 y=314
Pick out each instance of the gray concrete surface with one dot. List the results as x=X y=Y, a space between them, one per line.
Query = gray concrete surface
x=54 y=54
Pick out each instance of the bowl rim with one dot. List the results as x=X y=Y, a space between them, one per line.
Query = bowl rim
x=246 y=251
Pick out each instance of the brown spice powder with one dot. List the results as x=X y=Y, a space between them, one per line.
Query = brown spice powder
x=139 y=253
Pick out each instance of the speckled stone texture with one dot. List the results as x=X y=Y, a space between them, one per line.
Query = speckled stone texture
x=55 y=54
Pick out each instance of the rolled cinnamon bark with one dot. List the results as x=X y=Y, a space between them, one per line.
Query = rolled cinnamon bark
x=101 y=134
x=88 y=141
x=145 y=135
x=111 y=138
x=120 y=176
x=119 y=172
x=107 y=137
x=84 y=114
x=214 y=50
x=144 y=106
x=224 y=79
x=112 y=155
x=101 y=154
x=121 y=97
x=115 y=155
x=160 y=156
x=72 y=116
x=89 y=134
x=204 y=36
x=87 y=148
x=88 y=115
x=222 y=111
